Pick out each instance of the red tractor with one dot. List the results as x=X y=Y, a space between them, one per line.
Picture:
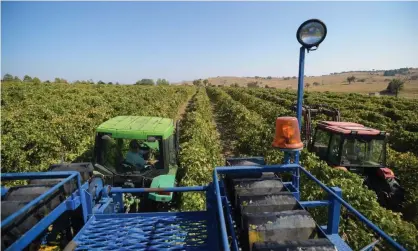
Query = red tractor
x=353 y=147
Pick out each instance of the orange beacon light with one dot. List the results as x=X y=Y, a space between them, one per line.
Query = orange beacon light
x=287 y=134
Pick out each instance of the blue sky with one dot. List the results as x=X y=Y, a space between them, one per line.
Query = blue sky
x=127 y=41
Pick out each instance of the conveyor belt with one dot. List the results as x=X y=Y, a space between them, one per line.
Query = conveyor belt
x=17 y=197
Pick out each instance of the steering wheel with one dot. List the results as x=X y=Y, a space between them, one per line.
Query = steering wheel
x=132 y=167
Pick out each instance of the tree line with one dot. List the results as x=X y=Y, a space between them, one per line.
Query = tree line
x=10 y=78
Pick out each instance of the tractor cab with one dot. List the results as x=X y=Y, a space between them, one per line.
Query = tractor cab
x=351 y=145
x=361 y=150
x=137 y=151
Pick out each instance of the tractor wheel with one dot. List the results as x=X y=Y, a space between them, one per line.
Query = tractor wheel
x=389 y=192
x=393 y=195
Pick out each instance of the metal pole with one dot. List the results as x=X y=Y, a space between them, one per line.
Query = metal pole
x=300 y=85
x=296 y=173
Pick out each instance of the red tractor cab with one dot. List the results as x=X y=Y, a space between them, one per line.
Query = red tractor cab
x=361 y=150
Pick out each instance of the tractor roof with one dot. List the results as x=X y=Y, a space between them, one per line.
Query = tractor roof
x=348 y=128
x=137 y=127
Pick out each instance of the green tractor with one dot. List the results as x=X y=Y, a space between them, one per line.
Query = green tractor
x=136 y=152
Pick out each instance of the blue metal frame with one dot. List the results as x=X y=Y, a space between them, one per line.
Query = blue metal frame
x=98 y=232
x=334 y=204
x=218 y=210
x=73 y=202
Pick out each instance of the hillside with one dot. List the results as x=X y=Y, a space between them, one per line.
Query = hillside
x=373 y=81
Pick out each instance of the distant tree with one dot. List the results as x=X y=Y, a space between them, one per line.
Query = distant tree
x=117 y=83
x=402 y=71
x=294 y=77
x=47 y=82
x=267 y=86
x=27 y=78
x=197 y=82
x=145 y=81
x=17 y=79
x=36 y=80
x=205 y=82
x=307 y=85
x=7 y=77
x=395 y=86
x=269 y=77
x=316 y=84
x=60 y=80
x=110 y=83
x=101 y=82
x=235 y=85
x=351 y=79
x=252 y=84
x=162 y=82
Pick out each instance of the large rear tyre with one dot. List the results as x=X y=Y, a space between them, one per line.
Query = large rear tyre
x=390 y=193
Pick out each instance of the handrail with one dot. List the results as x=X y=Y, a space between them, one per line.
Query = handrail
x=220 y=210
x=354 y=211
x=284 y=168
x=115 y=190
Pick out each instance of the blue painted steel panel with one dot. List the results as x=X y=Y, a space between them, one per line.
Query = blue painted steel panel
x=148 y=231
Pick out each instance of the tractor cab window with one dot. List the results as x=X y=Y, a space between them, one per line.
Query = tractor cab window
x=127 y=155
x=334 y=149
x=320 y=146
x=363 y=152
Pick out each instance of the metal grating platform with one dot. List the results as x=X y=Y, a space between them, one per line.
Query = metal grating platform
x=150 y=231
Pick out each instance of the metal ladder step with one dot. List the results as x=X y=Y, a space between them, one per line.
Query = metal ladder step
x=305 y=245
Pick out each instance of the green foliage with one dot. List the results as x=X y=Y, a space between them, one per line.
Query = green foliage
x=200 y=150
x=254 y=135
x=27 y=78
x=402 y=71
x=395 y=86
x=60 y=80
x=162 y=82
x=7 y=77
x=40 y=123
x=197 y=82
x=36 y=80
x=351 y=79
x=145 y=81
x=206 y=82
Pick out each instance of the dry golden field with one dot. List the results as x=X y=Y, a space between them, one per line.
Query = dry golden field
x=373 y=82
